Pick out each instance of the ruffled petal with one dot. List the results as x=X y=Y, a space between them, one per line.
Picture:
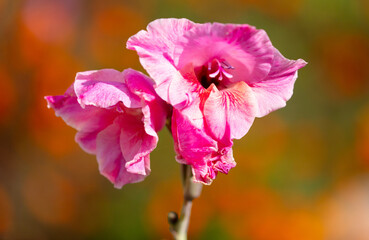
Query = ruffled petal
x=155 y=110
x=136 y=145
x=104 y=88
x=156 y=48
x=191 y=143
x=139 y=84
x=117 y=116
x=87 y=121
x=196 y=148
x=110 y=159
x=248 y=50
x=277 y=88
x=229 y=113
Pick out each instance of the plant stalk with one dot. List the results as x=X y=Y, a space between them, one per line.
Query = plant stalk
x=191 y=191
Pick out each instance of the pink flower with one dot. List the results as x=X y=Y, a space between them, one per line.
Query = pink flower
x=234 y=70
x=218 y=77
x=117 y=115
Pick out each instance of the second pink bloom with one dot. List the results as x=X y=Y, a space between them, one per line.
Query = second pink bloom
x=117 y=116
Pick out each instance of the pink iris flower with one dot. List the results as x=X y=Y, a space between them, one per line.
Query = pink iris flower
x=117 y=116
x=218 y=77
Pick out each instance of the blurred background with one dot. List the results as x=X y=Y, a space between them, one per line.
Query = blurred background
x=302 y=173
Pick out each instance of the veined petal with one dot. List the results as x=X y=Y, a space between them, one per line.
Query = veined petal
x=277 y=88
x=247 y=49
x=154 y=109
x=110 y=159
x=139 y=84
x=191 y=143
x=87 y=121
x=117 y=116
x=156 y=48
x=136 y=144
x=104 y=88
x=196 y=148
x=229 y=113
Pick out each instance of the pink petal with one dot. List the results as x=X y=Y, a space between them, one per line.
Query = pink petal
x=191 y=143
x=245 y=48
x=104 y=88
x=155 y=110
x=87 y=141
x=277 y=88
x=156 y=48
x=139 y=84
x=110 y=158
x=229 y=113
x=136 y=144
x=196 y=148
x=88 y=121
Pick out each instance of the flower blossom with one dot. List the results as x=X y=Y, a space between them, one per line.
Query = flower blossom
x=117 y=116
x=218 y=78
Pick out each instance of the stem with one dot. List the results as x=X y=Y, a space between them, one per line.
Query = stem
x=191 y=190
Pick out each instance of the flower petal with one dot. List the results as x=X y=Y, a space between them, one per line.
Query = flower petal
x=139 y=84
x=87 y=121
x=194 y=147
x=136 y=145
x=156 y=49
x=155 y=110
x=229 y=113
x=119 y=128
x=191 y=143
x=87 y=141
x=104 y=88
x=277 y=88
x=248 y=50
x=110 y=159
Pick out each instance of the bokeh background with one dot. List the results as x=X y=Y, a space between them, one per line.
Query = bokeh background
x=302 y=173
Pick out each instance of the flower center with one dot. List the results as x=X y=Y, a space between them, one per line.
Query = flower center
x=216 y=71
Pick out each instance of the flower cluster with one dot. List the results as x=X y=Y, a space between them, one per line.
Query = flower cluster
x=210 y=80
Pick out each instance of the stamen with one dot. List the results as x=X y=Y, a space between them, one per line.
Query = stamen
x=220 y=70
x=228 y=75
x=214 y=74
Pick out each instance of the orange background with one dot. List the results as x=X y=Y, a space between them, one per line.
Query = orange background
x=302 y=173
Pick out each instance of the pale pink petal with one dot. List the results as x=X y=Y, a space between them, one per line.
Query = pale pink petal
x=156 y=49
x=277 y=88
x=136 y=144
x=139 y=84
x=194 y=111
x=117 y=116
x=155 y=110
x=182 y=90
x=104 y=88
x=87 y=121
x=229 y=113
x=110 y=158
